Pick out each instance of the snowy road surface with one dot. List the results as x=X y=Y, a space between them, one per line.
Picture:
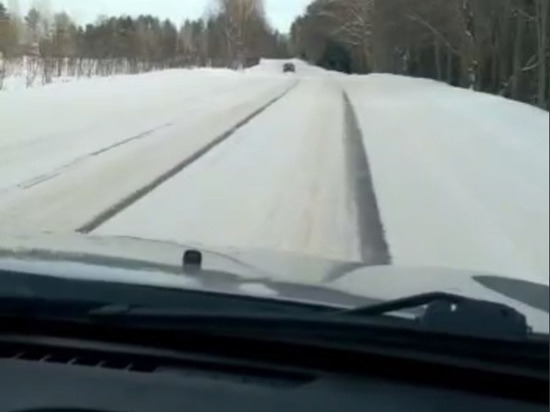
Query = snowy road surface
x=92 y=172
x=258 y=160
x=278 y=183
x=71 y=121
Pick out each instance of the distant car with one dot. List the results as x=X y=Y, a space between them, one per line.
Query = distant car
x=289 y=68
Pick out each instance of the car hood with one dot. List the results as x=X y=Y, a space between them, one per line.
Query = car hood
x=260 y=273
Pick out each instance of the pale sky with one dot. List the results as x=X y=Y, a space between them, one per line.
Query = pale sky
x=281 y=13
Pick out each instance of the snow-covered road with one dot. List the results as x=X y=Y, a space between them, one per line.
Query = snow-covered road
x=71 y=121
x=460 y=178
x=278 y=183
x=87 y=173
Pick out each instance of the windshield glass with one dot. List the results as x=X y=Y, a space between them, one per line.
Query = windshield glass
x=369 y=149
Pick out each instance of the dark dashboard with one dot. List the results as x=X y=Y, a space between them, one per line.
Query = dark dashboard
x=110 y=364
x=52 y=374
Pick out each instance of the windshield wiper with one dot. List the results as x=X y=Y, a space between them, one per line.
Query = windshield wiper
x=409 y=302
x=337 y=330
x=455 y=314
x=444 y=313
x=348 y=330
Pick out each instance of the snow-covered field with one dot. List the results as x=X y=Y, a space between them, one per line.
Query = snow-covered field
x=461 y=178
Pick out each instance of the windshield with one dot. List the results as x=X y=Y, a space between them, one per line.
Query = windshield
x=369 y=149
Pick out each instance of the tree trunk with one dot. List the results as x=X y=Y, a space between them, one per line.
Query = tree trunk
x=438 y=68
x=504 y=68
x=495 y=84
x=542 y=28
x=450 y=79
x=517 y=58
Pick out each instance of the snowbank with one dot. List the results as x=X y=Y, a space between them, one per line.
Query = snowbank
x=461 y=177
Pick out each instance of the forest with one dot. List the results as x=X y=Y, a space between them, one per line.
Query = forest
x=496 y=46
x=42 y=44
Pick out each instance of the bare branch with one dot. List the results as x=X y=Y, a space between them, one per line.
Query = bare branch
x=434 y=31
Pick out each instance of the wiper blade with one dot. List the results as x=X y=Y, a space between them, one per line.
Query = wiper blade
x=382 y=333
x=455 y=314
x=409 y=302
x=204 y=318
x=444 y=313
x=234 y=322
x=325 y=329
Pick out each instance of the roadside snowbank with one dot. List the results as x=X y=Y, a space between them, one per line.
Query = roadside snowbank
x=461 y=177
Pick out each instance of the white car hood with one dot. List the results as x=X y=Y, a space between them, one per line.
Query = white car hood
x=257 y=272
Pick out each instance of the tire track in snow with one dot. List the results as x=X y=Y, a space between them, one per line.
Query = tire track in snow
x=134 y=197
x=374 y=247
x=45 y=176
x=48 y=176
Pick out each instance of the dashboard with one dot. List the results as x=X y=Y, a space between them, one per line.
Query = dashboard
x=40 y=373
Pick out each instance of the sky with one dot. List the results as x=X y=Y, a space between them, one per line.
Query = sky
x=281 y=13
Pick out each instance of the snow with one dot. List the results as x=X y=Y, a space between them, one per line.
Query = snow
x=70 y=120
x=461 y=177
x=160 y=118
x=279 y=183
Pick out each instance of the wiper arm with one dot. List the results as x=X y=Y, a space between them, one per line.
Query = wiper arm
x=325 y=329
x=409 y=302
x=444 y=313
x=378 y=333
x=450 y=313
x=205 y=318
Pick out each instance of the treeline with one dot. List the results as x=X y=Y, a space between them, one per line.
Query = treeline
x=235 y=34
x=497 y=46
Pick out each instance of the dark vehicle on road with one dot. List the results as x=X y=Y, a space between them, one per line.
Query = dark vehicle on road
x=97 y=324
x=289 y=68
